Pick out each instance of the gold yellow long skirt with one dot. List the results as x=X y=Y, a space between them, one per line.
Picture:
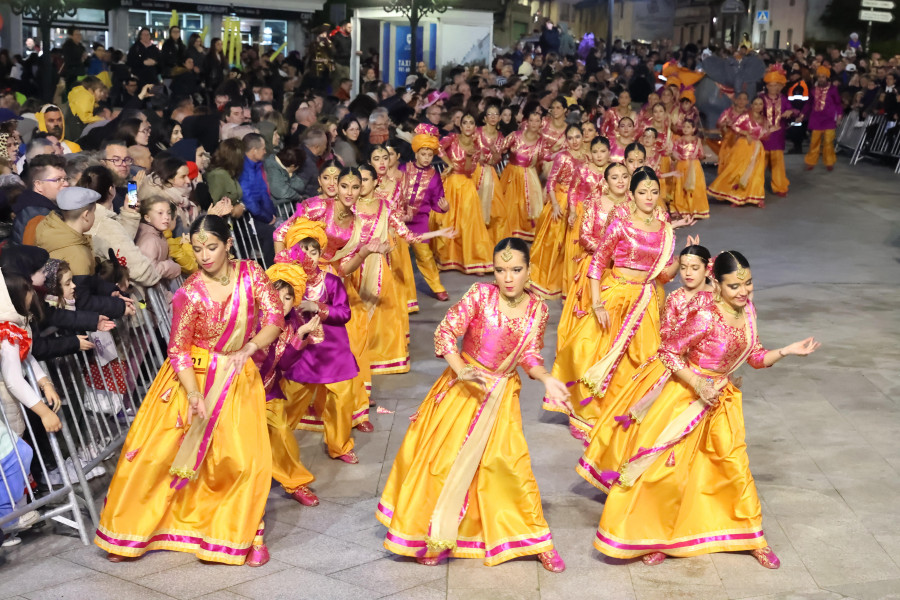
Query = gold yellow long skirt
x=387 y=329
x=725 y=149
x=745 y=157
x=516 y=186
x=697 y=498
x=573 y=252
x=586 y=343
x=472 y=250
x=548 y=250
x=282 y=417
x=503 y=517
x=401 y=265
x=577 y=304
x=690 y=202
x=216 y=516
x=610 y=440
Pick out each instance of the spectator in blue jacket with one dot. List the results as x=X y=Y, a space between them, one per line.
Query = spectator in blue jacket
x=256 y=197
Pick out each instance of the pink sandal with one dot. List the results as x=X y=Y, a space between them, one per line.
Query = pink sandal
x=305 y=496
x=350 y=458
x=552 y=561
x=259 y=555
x=766 y=557
x=654 y=558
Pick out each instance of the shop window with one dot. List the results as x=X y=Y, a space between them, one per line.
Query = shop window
x=158 y=24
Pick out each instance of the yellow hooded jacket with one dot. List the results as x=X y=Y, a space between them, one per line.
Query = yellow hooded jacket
x=42 y=126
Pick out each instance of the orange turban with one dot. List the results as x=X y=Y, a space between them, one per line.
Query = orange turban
x=423 y=140
x=823 y=71
x=293 y=274
x=775 y=75
x=304 y=228
x=689 y=94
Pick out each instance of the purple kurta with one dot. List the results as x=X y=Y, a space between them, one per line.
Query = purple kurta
x=772 y=110
x=330 y=360
x=823 y=108
x=423 y=189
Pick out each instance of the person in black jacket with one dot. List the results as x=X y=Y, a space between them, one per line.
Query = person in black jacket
x=144 y=58
x=173 y=51
x=74 y=56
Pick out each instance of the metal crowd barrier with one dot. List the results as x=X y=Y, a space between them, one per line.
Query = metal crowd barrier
x=285 y=210
x=99 y=402
x=246 y=240
x=61 y=504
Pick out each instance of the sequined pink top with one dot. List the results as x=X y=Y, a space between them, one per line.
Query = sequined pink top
x=628 y=247
x=488 y=335
x=593 y=224
x=521 y=153
x=679 y=117
x=683 y=149
x=563 y=171
x=705 y=340
x=368 y=222
x=727 y=117
x=321 y=209
x=611 y=122
x=678 y=304
x=489 y=152
x=198 y=320
x=745 y=125
x=553 y=140
x=463 y=161
x=587 y=185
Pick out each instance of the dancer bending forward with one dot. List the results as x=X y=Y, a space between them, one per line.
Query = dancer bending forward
x=685 y=487
x=462 y=484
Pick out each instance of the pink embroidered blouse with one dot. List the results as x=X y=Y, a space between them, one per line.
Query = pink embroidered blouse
x=562 y=172
x=611 y=122
x=705 y=340
x=198 y=320
x=461 y=160
x=488 y=335
x=587 y=185
x=319 y=208
x=628 y=247
x=687 y=149
x=593 y=224
x=745 y=125
x=678 y=303
x=489 y=152
x=521 y=153
x=553 y=140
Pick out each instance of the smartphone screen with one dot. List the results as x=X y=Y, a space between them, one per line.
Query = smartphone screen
x=131 y=198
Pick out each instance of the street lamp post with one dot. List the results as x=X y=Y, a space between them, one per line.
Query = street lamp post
x=414 y=11
x=610 y=7
x=45 y=12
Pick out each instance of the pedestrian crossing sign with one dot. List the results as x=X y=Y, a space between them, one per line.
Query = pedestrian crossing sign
x=762 y=16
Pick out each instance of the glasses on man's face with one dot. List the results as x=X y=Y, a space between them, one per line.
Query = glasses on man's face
x=56 y=180
x=118 y=161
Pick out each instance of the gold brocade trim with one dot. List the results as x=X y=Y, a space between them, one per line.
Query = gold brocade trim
x=183 y=473
x=439 y=545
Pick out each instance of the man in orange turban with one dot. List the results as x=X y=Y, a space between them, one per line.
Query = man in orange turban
x=420 y=192
x=776 y=110
x=823 y=113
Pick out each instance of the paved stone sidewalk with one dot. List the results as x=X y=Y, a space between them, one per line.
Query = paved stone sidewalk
x=822 y=435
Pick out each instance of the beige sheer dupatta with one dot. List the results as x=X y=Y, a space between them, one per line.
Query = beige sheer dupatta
x=448 y=511
x=219 y=378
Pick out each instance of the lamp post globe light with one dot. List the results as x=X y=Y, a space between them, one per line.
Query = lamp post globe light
x=414 y=11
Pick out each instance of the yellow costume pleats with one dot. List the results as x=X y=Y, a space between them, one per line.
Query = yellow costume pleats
x=742 y=180
x=573 y=252
x=329 y=407
x=689 y=190
x=503 y=517
x=282 y=417
x=586 y=343
x=521 y=205
x=775 y=162
x=401 y=265
x=697 y=498
x=548 y=251
x=471 y=251
x=217 y=515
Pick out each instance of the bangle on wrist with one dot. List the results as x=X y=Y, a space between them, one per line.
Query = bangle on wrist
x=194 y=397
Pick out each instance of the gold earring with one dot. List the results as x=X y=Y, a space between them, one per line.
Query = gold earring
x=717 y=296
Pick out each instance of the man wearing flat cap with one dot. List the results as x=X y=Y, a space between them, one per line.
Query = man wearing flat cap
x=63 y=232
